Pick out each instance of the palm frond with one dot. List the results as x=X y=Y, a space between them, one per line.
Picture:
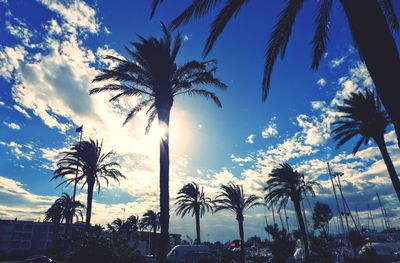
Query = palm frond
x=196 y=9
x=279 y=40
x=230 y=9
x=321 y=35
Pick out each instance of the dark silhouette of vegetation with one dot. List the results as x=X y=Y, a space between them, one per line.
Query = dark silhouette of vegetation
x=287 y=184
x=124 y=228
x=64 y=208
x=54 y=215
x=233 y=199
x=93 y=248
x=371 y=23
x=323 y=247
x=93 y=165
x=363 y=117
x=322 y=214
x=192 y=199
x=151 y=221
x=282 y=246
x=153 y=76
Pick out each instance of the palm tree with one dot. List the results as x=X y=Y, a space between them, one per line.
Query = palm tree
x=371 y=23
x=92 y=164
x=69 y=210
x=233 y=199
x=363 y=116
x=287 y=184
x=121 y=227
x=153 y=76
x=54 y=215
x=132 y=226
x=191 y=199
x=151 y=220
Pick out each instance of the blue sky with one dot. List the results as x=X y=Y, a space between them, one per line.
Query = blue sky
x=51 y=50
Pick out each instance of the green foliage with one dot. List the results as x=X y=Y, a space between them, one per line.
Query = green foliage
x=282 y=246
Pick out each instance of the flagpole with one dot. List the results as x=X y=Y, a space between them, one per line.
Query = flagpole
x=77 y=168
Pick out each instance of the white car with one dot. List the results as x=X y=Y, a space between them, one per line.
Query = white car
x=181 y=252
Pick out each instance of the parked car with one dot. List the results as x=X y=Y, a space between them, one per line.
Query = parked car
x=383 y=252
x=181 y=252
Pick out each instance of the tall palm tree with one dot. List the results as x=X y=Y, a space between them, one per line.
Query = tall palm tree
x=371 y=23
x=93 y=165
x=364 y=117
x=192 y=199
x=286 y=184
x=151 y=221
x=153 y=76
x=132 y=226
x=233 y=199
x=54 y=215
x=69 y=210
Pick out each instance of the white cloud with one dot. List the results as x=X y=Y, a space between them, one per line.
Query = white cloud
x=75 y=13
x=11 y=60
x=22 y=111
x=334 y=63
x=250 y=139
x=270 y=130
x=12 y=125
x=321 y=82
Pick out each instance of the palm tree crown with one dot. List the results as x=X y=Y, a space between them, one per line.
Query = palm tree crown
x=92 y=163
x=287 y=184
x=150 y=220
x=362 y=116
x=233 y=199
x=70 y=208
x=191 y=199
x=153 y=75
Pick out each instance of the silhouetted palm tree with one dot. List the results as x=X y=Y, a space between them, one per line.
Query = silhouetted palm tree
x=363 y=116
x=370 y=22
x=69 y=210
x=233 y=199
x=151 y=221
x=191 y=199
x=54 y=215
x=124 y=228
x=287 y=184
x=153 y=76
x=92 y=164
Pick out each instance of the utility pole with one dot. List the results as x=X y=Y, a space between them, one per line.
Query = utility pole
x=336 y=199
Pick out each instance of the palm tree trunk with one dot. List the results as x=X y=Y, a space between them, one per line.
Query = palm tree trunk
x=89 y=204
x=241 y=233
x=378 y=49
x=302 y=226
x=197 y=214
x=389 y=165
x=163 y=121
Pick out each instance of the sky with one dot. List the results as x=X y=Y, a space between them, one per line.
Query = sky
x=50 y=51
